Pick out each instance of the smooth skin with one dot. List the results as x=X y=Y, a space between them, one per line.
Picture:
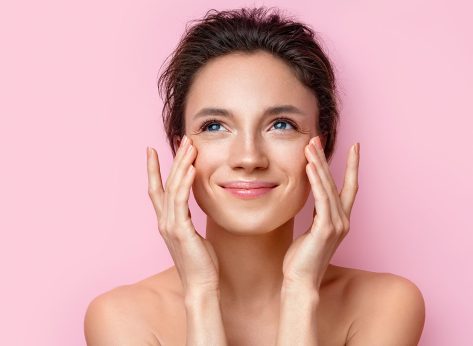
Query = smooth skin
x=309 y=256
x=248 y=256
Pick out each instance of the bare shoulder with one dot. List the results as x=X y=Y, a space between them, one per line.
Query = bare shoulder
x=385 y=308
x=125 y=313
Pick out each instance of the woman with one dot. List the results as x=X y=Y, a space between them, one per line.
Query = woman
x=251 y=116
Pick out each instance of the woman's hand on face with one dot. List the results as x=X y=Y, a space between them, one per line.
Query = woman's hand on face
x=194 y=256
x=309 y=255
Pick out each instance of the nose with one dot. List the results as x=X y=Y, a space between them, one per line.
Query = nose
x=248 y=153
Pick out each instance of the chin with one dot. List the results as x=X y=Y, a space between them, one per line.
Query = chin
x=251 y=223
x=247 y=229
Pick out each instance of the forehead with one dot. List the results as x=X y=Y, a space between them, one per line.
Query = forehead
x=248 y=82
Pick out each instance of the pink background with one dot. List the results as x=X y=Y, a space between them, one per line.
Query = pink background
x=80 y=105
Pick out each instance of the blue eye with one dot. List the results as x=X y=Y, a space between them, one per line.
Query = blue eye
x=213 y=125
x=283 y=122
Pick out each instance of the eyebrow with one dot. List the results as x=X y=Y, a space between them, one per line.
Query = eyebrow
x=275 y=110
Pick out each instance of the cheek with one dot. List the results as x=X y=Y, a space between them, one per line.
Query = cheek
x=208 y=156
x=292 y=157
x=299 y=183
x=208 y=160
x=294 y=164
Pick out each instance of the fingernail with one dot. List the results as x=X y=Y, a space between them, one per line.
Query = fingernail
x=318 y=142
x=184 y=140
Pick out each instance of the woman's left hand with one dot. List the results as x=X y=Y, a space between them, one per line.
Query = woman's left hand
x=309 y=255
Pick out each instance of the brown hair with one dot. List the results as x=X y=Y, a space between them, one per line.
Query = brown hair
x=249 y=30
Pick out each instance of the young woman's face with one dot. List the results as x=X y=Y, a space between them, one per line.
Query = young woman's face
x=251 y=142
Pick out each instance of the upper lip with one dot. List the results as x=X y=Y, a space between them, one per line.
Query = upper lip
x=243 y=184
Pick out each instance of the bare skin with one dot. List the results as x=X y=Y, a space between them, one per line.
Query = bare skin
x=249 y=240
x=156 y=304
x=253 y=327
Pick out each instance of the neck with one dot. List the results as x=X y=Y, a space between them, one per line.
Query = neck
x=250 y=266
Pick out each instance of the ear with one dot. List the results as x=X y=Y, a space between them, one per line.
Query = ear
x=176 y=142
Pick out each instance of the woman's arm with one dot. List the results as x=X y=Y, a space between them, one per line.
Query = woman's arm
x=391 y=311
x=194 y=256
x=308 y=257
x=204 y=318
x=297 y=318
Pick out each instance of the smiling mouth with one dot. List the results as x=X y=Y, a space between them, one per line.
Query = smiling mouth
x=248 y=193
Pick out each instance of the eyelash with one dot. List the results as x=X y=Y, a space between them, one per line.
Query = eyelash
x=212 y=121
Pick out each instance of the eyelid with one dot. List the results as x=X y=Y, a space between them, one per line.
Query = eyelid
x=207 y=123
x=279 y=119
x=290 y=121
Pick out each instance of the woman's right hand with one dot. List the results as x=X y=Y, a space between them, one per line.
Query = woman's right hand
x=194 y=256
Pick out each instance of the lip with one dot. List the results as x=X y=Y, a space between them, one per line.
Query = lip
x=248 y=189
x=242 y=184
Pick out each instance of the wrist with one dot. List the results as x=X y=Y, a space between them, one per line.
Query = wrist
x=305 y=291
x=200 y=294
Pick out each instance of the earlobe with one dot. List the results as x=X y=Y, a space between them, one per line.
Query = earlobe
x=177 y=142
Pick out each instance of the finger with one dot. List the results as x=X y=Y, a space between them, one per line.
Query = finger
x=182 y=165
x=318 y=158
x=321 y=198
x=181 y=206
x=155 y=185
x=174 y=179
x=181 y=200
x=350 y=183
x=177 y=159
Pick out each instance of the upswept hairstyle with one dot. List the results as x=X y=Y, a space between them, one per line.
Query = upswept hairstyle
x=249 y=30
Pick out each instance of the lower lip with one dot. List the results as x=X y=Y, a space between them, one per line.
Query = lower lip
x=249 y=193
